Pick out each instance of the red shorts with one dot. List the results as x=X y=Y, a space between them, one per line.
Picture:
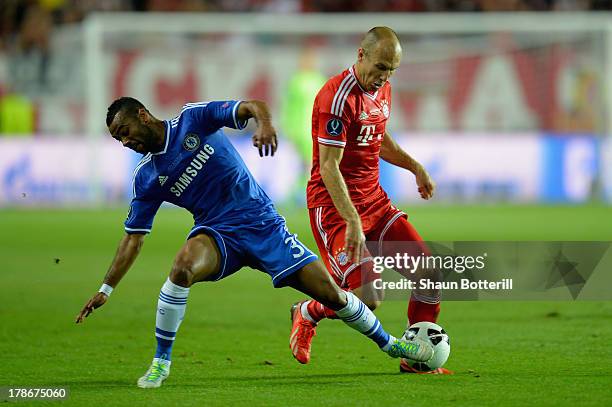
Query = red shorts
x=381 y=222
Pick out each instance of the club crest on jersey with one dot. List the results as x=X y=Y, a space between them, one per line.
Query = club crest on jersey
x=334 y=127
x=385 y=108
x=342 y=258
x=191 y=142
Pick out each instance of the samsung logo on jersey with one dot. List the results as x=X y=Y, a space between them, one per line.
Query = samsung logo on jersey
x=192 y=170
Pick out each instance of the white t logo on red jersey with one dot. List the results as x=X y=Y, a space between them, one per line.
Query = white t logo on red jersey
x=366 y=134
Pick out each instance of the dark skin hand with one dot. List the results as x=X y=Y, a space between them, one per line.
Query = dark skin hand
x=264 y=137
x=96 y=302
x=128 y=250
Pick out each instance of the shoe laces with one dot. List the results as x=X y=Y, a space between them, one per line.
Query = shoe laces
x=407 y=347
x=156 y=371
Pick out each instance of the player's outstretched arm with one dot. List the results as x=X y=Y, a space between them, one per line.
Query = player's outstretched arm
x=264 y=137
x=329 y=162
x=128 y=250
x=392 y=153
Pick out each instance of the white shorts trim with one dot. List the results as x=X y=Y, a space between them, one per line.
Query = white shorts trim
x=387 y=226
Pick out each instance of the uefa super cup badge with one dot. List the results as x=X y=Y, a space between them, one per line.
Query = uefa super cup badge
x=334 y=127
x=191 y=142
x=385 y=109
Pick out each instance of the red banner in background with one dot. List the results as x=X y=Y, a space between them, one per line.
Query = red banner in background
x=465 y=83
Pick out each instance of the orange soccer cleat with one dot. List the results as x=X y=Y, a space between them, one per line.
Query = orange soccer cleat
x=406 y=368
x=302 y=331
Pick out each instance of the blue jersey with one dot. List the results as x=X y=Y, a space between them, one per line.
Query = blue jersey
x=200 y=170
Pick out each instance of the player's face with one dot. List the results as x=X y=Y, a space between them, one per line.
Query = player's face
x=132 y=133
x=377 y=65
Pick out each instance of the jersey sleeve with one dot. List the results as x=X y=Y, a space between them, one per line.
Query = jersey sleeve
x=332 y=119
x=142 y=211
x=217 y=114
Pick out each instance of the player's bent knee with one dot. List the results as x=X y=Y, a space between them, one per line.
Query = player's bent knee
x=182 y=273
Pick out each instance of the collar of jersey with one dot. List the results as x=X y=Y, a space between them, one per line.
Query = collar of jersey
x=167 y=139
x=368 y=94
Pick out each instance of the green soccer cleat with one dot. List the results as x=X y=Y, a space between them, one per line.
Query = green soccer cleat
x=415 y=349
x=157 y=373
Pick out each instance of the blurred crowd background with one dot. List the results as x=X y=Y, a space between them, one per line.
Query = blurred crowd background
x=27 y=24
x=516 y=115
x=31 y=67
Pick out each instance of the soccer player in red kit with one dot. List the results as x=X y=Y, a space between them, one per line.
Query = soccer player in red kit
x=346 y=203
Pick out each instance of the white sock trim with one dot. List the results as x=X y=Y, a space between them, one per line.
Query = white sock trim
x=175 y=290
x=162 y=361
x=349 y=308
x=305 y=313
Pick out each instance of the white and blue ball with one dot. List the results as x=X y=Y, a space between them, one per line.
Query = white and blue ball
x=437 y=337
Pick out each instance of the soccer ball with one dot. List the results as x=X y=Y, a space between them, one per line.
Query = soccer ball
x=436 y=336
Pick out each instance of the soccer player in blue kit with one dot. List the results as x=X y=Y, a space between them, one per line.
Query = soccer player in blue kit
x=189 y=162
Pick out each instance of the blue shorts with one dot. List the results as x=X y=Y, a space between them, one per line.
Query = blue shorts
x=266 y=245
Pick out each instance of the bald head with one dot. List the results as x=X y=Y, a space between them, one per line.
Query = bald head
x=381 y=37
x=378 y=57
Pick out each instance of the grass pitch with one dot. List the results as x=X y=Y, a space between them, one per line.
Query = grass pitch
x=233 y=346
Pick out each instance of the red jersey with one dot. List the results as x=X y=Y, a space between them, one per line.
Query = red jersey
x=345 y=116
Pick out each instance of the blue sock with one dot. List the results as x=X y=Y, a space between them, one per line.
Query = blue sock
x=170 y=312
x=359 y=317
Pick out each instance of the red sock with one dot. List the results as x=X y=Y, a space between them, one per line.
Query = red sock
x=421 y=311
x=318 y=311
